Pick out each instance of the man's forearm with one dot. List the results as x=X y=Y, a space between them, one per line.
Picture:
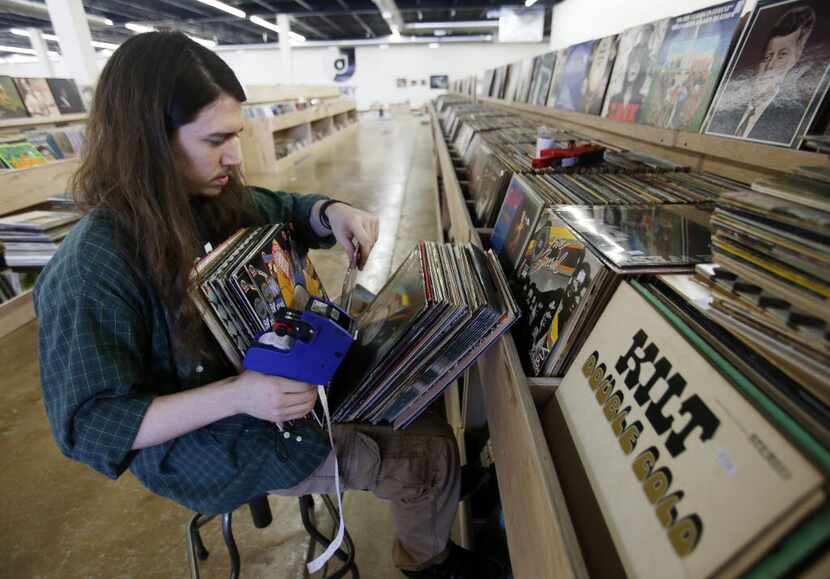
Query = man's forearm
x=176 y=414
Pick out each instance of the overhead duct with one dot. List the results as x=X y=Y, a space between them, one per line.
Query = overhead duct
x=41 y=12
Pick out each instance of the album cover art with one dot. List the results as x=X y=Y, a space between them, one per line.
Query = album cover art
x=37 y=97
x=11 y=105
x=689 y=67
x=515 y=222
x=556 y=76
x=570 y=89
x=637 y=55
x=66 y=95
x=603 y=54
x=541 y=79
x=778 y=74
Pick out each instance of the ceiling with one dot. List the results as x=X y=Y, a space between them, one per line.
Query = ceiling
x=317 y=20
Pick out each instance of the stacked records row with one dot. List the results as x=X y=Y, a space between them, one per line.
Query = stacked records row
x=437 y=313
x=31 y=238
x=704 y=71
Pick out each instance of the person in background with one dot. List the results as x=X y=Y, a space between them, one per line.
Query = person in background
x=131 y=378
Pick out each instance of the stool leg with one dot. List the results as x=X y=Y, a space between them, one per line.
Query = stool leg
x=306 y=507
x=196 y=550
x=233 y=552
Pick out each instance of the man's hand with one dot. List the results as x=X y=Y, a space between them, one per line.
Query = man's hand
x=348 y=223
x=272 y=398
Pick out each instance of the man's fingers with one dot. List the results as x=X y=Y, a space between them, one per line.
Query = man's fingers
x=293 y=387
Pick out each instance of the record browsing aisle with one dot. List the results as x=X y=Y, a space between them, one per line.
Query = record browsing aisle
x=674 y=335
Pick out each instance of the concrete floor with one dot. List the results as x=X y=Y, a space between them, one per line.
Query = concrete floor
x=60 y=519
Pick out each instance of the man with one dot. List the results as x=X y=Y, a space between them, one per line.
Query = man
x=777 y=100
x=132 y=379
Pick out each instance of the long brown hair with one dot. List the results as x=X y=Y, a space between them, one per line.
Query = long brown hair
x=153 y=84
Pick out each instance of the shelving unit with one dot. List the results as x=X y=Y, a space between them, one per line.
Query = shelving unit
x=20 y=189
x=542 y=520
x=322 y=125
x=38 y=121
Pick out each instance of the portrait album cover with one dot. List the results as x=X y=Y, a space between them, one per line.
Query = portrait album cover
x=66 y=95
x=11 y=105
x=516 y=222
x=638 y=52
x=603 y=54
x=670 y=448
x=777 y=76
x=541 y=79
x=570 y=89
x=37 y=97
x=689 y=67
x=436 y=314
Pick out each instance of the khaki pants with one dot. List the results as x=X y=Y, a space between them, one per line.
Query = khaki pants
x=416 y=469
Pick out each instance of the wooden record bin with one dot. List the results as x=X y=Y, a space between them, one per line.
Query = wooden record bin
x=273 y=144
x=21 y=189
x=553 y=522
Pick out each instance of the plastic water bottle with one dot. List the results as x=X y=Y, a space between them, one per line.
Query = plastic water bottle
x=544 y=140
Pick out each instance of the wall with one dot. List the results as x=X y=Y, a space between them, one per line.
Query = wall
x=576 y=21
x=376 y=69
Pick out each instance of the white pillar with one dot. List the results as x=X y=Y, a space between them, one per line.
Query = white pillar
x=70 y=24
x=284 y=22
x=39 y=46
x=552 y=18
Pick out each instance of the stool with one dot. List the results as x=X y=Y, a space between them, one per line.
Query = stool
x=262 y=517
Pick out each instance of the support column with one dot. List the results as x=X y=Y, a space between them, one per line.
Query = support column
x=284 y=22
x=552 y=18
x=70 y=24
x=42 y=50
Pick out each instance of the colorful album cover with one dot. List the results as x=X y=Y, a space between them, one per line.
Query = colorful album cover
x=556 y=76
x=37 y=97
x=555 y=273
x=11 y=105
x=602 y=60
x=777 y=76
x=637 y=55
x=541 y=79
x=689 y=67
x=571 y=85
x=66 y=95
x=515 y=223
x=20 y=155
x=632 y=237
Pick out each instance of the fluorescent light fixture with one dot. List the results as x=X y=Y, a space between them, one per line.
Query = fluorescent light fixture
x=529 y=3
x=135 y=27
x=203 y=41
x=440 y=32
x=17 y=50
x=434 y=45
x=271 y=26
x=466 y=24
x=99 y=44
x=21 y=32
x=224 y=7
x=384 y=47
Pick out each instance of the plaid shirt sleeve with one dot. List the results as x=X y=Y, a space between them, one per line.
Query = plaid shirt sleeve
x=282 y=207
x=91 y=337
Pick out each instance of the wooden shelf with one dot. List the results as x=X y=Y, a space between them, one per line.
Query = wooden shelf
x=540 y=534
x=22 y=188
x=38 y=121
x=16 y=312
x=728 y=157
x=261 y=94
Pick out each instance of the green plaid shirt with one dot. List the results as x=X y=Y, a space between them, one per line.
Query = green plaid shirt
x=105 y=351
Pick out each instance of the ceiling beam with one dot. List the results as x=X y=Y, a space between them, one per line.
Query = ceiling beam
x=366 y=27
x=304 y=4
x=332 y=23
x=295 y=21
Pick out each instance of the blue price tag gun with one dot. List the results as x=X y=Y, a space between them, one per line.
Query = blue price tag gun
x=306 y=346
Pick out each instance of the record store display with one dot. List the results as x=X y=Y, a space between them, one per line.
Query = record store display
x=570 y=85
x=689 y=67
x=670 y=447
x=516 y=222
x=443 y=307
x=575 y=258
x=437 y=313
x=777 y=76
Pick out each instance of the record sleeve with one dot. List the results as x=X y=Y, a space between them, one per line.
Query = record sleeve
x=571 y=85
x=66 y=95
x=516 y=222
x=20 y=154
x=603 y=54
x=11 y=105
x=37 y=97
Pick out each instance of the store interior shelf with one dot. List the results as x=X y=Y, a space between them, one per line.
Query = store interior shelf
x=16 y=312
x=37 y=121
x=540 y=534
x=732 y=158
x=260 y=94
x=22 y=188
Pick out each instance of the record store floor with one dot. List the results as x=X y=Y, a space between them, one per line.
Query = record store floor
x=60 y=519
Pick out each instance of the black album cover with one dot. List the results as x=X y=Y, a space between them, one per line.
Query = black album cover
x=778 y=74
x=66 y=95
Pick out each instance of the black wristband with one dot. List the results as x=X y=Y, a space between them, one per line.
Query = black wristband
x=324 y=219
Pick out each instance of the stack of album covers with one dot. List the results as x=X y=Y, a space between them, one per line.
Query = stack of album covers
x=32 y=238
x=575 y=258
x=437 y=313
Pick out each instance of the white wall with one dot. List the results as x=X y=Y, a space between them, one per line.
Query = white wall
x=576 y=21
x=376 y=70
